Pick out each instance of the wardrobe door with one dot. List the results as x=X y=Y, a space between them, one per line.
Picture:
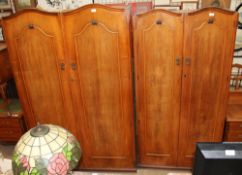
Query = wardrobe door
x=98 y=46
x=158 y=37
x=209 y=37
x=34 y=42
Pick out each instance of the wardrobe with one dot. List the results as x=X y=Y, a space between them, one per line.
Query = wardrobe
x=73 y=69
x=182 y=73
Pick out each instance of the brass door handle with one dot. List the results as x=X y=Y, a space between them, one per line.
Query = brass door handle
x=158 y=22
x=62 y=66
x=31 y=26
x=187 y=61
x=210 y=20
x=73 y=66
x=178 y=61
x=94 y=22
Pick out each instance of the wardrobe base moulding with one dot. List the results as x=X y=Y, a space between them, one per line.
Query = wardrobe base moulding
x=163 y=167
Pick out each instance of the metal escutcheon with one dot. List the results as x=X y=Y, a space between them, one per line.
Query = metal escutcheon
x=158 y=22
x=178 y=61
x=73 y=66
x=62 y=66
x=94 y=22
x=187 y=61
x=31 y=26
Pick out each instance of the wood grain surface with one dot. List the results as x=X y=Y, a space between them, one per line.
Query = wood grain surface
x=209 y=36
x=36 y=52
x=74 y=70
x=158 y=67
x=98 y=44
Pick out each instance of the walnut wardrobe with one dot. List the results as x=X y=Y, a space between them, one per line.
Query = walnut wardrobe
x=182 y=73
x=73 y=69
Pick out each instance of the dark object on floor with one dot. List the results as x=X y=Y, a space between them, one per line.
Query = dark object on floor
x=218 y=158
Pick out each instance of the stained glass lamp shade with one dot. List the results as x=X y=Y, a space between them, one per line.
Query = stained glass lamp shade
x=46 y=149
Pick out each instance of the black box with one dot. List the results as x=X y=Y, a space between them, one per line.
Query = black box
x=218 y=159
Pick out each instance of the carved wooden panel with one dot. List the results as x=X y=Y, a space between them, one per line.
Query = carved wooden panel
x=43 y=89
x=103 y=104
x=158 y=54
x=208 y=48
x=101 y=85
